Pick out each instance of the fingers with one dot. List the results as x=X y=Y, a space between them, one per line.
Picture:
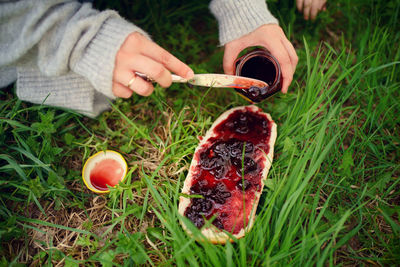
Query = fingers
x=322 y=6
x=307 y=4
x=299 y=4
x=317 y=7
x=273 y=39
x=288 y=77
x=292 y=53
x=140 y=87
x=287 y=70
x=281 y=48
x=123 y=78
x=310 y=8
x=136 y=62
x=314 y=11
x=166 y=59
x=152 y=68
x=230 y=54
x=121 y=91
x=137 y=53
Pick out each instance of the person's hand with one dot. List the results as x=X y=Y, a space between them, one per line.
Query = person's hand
x=272 y=37
x=140 y=54
x=310 y=8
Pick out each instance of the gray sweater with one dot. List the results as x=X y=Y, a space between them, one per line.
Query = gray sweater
x=61 y=53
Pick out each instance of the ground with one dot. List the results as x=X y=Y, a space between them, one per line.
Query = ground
x=333 y=192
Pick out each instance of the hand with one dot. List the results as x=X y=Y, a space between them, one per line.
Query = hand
x=310 y=8
x=140 y=54
x=272 y=37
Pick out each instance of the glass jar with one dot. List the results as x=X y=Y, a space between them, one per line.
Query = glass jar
x=259 y=64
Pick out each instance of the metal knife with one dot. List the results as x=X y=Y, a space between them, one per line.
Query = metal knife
x=214 y=80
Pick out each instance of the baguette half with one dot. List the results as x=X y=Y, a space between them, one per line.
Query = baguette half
x=227 y=174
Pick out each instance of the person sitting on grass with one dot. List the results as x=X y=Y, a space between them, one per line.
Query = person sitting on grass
x=70 y=55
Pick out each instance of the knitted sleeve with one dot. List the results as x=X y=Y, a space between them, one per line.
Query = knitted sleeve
x=240 y=17
x=50 y=39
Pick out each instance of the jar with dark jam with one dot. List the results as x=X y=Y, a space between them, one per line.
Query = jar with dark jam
x=259 y=64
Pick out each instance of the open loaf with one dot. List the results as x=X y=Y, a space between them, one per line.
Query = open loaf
x=226 y=176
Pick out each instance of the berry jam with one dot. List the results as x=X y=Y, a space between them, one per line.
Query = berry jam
x=260 y=68
x=260 y=65
x=256 y=94
x=229 y=171
x=106 y=172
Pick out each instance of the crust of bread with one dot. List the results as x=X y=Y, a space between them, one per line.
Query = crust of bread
x=212 y=233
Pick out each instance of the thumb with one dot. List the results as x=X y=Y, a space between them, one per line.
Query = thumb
x=230 y=56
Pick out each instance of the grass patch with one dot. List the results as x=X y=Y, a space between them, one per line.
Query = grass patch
x=333 y=192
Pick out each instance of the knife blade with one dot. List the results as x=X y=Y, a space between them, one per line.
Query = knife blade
x=214 y=80
x=224 y=80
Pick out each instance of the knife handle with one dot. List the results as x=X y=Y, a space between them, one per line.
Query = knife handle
x=175 y=78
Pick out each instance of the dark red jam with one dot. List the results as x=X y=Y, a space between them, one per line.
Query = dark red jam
x=260 y=68
x=260 y=65
x=256 y=94
x=229 y=171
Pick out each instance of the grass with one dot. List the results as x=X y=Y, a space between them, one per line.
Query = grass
x=333 y=194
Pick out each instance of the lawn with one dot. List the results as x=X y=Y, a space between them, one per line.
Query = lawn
x=333 y=192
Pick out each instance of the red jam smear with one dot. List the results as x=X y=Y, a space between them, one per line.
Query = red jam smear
x=241 y=83
x=229 y=171
x=106 y=172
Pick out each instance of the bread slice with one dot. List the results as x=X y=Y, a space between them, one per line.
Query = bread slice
x=227 y=173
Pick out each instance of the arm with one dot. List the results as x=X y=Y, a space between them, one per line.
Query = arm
x=49 y=39
x=248 y=23
x=59 y=36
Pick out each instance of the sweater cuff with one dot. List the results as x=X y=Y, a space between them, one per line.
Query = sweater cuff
x=98 y=61
x=238 y=18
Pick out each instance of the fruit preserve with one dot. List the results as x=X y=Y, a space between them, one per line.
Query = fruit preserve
x=229 y=170
x=259 y=64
